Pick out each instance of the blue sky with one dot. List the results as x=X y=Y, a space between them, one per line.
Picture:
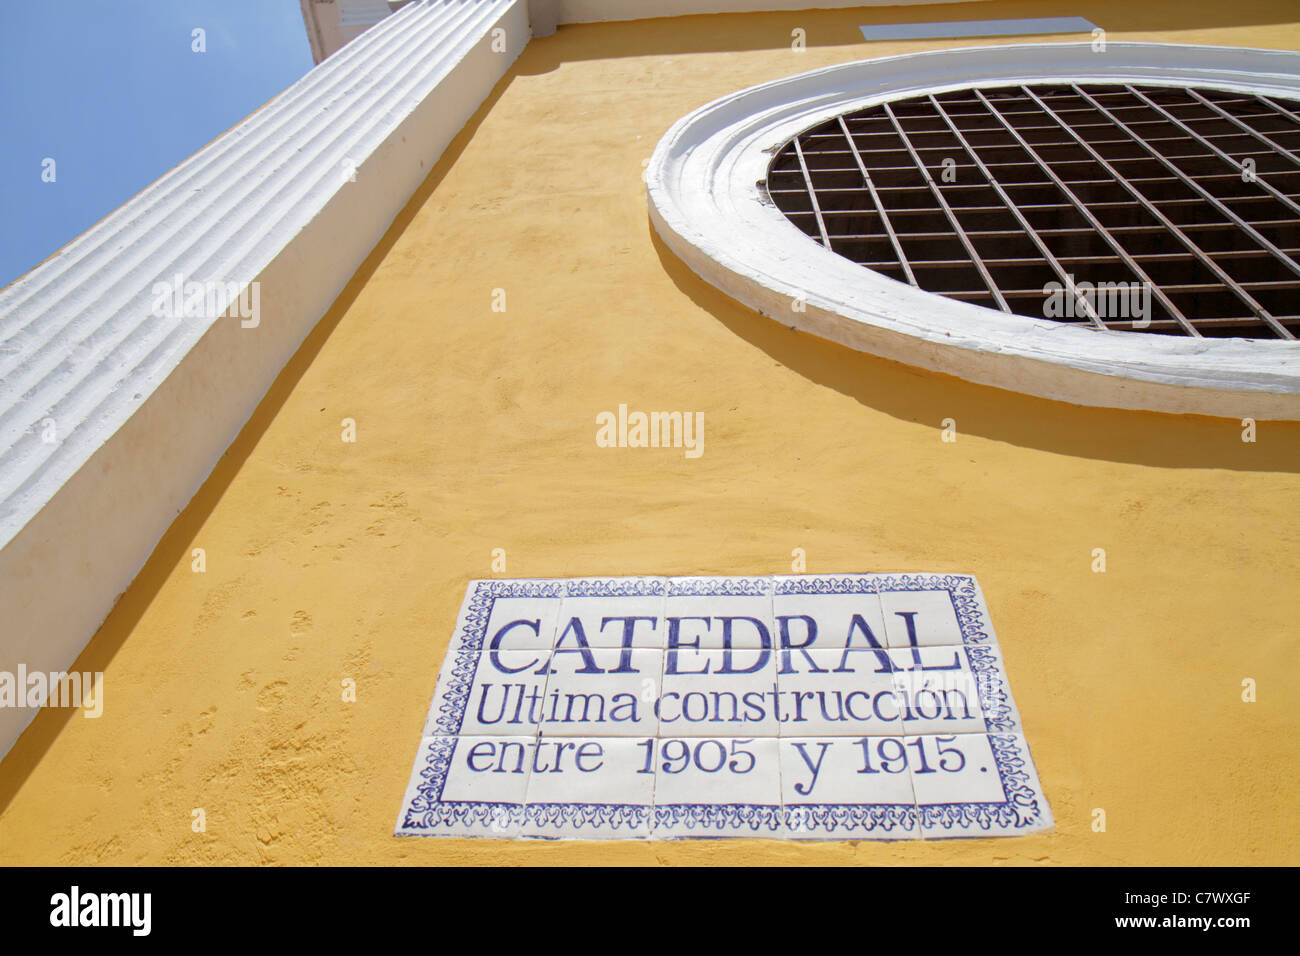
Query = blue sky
x=113 y=92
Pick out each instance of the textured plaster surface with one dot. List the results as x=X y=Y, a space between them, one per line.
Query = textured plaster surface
x=475 y=431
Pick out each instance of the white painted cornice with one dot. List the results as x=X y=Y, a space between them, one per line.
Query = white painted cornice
x=142 y=406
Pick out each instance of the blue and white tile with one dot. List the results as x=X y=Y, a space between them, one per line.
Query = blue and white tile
x=490 y=692
x=467 y=787
x=602 y=692
x=945 y=689
x=836 y=693
x=976 y=785
x=839 y=788
x=451 y=690
x=849 y=616
x=613 y=612
x=717 y=787
x=920 y=617
x=522 y=618
x=714 y=613
x=703 y=585
x=722 y=765
x=718 y=693
x=588 y=788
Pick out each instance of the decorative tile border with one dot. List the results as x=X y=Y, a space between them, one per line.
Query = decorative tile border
x=811 y=707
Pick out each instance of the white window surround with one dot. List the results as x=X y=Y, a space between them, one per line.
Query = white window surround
x=708 y=205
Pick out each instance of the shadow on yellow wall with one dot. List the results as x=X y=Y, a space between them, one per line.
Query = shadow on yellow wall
x=926 y=398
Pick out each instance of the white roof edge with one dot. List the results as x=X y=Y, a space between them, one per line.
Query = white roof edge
x=112 y=416
x=78 y=343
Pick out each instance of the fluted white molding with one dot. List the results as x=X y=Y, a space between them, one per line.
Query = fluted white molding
x=112 y=416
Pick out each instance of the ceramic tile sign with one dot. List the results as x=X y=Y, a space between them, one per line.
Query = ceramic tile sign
x=809 y=707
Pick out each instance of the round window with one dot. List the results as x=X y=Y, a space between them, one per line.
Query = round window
x=1135 y=208
x=1116 y=227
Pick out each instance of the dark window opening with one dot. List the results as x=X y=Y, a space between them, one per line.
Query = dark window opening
x=1156 y=209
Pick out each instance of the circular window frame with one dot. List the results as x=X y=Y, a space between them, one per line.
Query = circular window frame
x=707 y=202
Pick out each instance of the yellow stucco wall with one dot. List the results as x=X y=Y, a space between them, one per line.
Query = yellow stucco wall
x=476 y=430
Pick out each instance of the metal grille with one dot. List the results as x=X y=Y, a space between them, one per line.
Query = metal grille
x=1187 y=200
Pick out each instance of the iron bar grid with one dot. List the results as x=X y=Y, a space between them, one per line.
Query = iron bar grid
x=1185 y=200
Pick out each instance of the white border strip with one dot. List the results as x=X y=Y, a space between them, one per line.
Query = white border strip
x=144 y=406
x=706 y=203
x=958 y=29
x=591 y=11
